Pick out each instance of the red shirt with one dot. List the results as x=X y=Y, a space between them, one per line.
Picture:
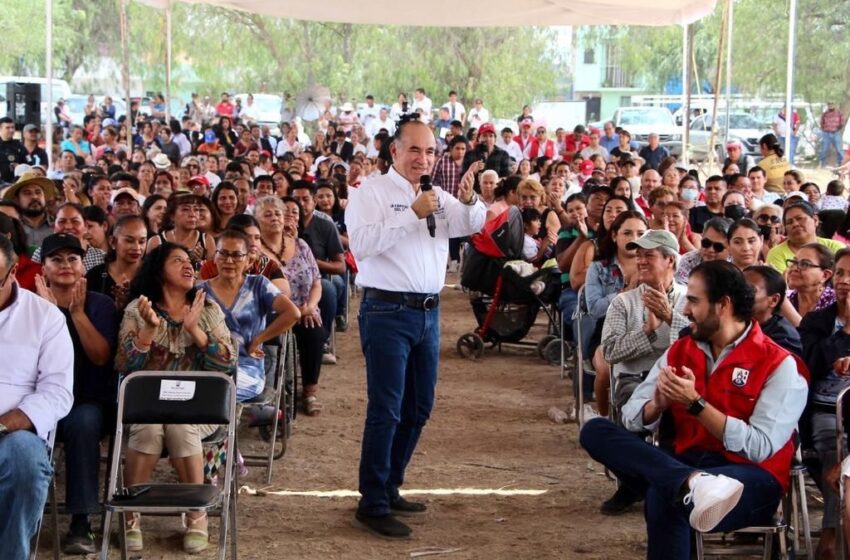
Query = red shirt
x=25 y=275
x=573 y=145
x=224 y=109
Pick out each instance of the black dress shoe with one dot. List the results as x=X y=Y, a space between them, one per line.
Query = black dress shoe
x=400 y=506
x=622 y=500
x=385 y=526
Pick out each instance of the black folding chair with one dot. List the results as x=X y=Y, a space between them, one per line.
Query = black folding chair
x=283 y=379
x=173 y=397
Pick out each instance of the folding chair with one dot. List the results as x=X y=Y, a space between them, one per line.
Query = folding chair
x=842 y=409
x=175 y=397
x=283 y=363
x=580 y=326
x=54 y=507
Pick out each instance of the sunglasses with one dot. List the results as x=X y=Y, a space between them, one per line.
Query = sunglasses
x=768 y=218
x=709 y=244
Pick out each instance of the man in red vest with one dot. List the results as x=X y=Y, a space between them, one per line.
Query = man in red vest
x=732 y=397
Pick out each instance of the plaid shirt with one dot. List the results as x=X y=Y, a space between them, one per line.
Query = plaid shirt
x=831 y=121
x=625 y=345
x=447 y=174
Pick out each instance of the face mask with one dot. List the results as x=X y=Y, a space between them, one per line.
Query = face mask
x=735 y=212
x=765 y=231
x=690 y=194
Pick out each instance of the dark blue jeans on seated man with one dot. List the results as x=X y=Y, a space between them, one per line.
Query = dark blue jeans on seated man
x=663 y=477
x=334 y=300
x=401 y=346
x=25 y=473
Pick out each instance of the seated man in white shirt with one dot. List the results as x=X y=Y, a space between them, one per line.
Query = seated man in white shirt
x=36 y=383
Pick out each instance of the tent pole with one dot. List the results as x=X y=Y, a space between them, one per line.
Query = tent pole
x=125 y=75
x=729 y=27
x=686 y=93
x=789 y=76
x=48 y=49
x=168 y=64
x=724 y=22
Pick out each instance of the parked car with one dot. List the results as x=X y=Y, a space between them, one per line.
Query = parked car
x=267 y=107
x=641 y=121
x=743 y=127
x=61 y=89
x=77 y=103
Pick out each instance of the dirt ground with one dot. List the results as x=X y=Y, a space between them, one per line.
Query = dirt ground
x=489 y=430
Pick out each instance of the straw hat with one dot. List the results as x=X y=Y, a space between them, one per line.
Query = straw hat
x=31 y=179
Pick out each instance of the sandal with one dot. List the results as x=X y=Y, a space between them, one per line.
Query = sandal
x=133 y=533
x=196 y=538
x=312 y=406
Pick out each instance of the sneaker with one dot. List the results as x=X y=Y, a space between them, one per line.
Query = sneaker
x=133 y=533
x=328 y=358
x=713 y=497
x=620 y=502
x=80 y=540
x=400 y=506
x=385 y=526
x=341 y=324
x=454 y=266
x=196 y=538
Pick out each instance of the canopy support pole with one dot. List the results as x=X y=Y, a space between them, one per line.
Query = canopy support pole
x=125 y=75
x=724 y=21
x=686 y=94
x=789 y=76
x=168 y=64
x=729 y=27
x=48 y=49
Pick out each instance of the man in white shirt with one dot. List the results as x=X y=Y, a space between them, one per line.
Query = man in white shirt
x=36 y=391
x=382 y=121
x=506 y=142
x=478 y=115
x=422 y=101
x=370 y=112
x=457 y=112
x=401 y=271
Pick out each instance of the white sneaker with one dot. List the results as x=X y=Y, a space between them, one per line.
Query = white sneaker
x=453 y=267
x=713 y=497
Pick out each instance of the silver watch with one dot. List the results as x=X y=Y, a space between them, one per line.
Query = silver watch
x=3 y=430
x=472 y=201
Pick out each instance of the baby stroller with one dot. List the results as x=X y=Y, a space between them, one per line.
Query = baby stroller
x=505 y=298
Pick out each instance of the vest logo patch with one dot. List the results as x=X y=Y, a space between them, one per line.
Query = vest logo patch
x=740 y=376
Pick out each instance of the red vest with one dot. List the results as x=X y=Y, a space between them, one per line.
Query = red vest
x=733 y=388
x=547 y=150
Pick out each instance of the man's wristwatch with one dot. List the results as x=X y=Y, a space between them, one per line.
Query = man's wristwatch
x=696 y=407
x=3 y=430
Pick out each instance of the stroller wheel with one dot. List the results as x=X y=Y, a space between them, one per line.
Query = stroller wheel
x=543 y=343
x=552 y=352
x=470 y=346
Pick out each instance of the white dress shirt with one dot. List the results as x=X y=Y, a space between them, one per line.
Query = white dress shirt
x=477 y=117
x=393 y=248
x=37 y=376
x=512 y=148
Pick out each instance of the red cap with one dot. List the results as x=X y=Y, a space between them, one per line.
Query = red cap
x=485 y=128
x=199 y=179
x=586 y=167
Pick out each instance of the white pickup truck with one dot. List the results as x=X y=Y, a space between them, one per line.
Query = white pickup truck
x=641 y=121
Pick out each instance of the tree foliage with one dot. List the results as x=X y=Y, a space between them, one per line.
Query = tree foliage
x=216 y=49
x=759 y=53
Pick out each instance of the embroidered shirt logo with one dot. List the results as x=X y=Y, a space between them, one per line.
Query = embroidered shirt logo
x=740 y=376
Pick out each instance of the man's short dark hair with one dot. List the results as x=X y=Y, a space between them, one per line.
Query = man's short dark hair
x=7 y=120
x=263 y=179
x=715 y=179
x=507 y=129
x=724 y=279
x=757 y=169
x=6 y=247
x=305 y=185
x=458 y=140
x=124 y=176
x=456 y=123
x=452 y=92
x=370 y=96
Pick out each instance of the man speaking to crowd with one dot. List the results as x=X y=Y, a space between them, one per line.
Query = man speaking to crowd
x=402 y=268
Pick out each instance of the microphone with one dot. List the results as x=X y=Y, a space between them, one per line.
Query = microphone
x=425 y=186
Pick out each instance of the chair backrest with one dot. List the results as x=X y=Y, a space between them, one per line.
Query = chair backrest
x=176 y=397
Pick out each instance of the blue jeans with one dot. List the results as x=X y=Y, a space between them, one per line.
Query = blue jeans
x=81 y=432
x=567 y=304
x=793 y=152
x=832 y=139
x=401 y=346
x=25 y=473
x=662 y=476
x=328 y=305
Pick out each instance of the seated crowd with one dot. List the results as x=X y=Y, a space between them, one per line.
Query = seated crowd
x=212 y=236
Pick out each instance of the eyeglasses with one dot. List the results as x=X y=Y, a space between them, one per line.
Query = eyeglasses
x=709 y=244
x=801 y=265
x=227 y=255
x=768 y=218
x=6 y=278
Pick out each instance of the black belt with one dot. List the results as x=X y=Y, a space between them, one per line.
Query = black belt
x=416 y=301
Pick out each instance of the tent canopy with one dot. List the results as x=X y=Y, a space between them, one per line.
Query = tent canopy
x=474 y=13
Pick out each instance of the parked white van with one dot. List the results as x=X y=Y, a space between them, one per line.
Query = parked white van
x=61 y=89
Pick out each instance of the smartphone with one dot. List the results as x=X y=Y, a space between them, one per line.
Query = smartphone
x=130 y=493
